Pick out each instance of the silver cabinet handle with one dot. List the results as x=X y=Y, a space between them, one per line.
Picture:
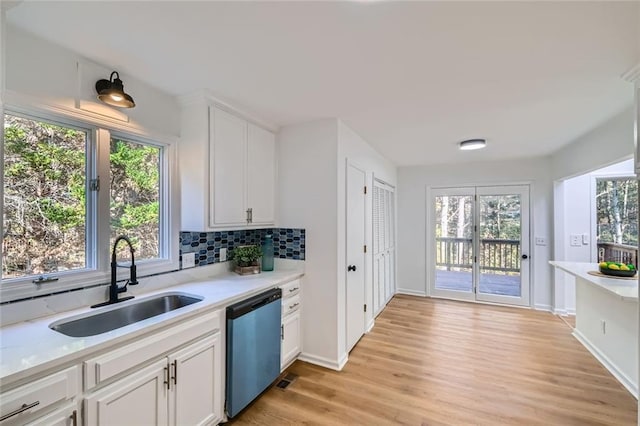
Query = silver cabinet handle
x=167 y=376
x=74 y=418
x=24 y=407
x=175 y=372
x=291 y=290
x=294 y=305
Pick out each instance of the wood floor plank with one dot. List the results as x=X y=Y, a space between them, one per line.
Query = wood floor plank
x=439 y=362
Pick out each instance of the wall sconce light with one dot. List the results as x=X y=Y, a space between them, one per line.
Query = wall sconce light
x=472 y=144
x=111 y=92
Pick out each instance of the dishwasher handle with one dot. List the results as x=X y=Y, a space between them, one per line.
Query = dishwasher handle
x=251 y=304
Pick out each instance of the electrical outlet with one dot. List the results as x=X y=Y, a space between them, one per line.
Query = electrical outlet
x=541 y=241
x=223 y=254
x=188 y=260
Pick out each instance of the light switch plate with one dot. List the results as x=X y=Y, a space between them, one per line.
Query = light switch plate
x=188 y=260
x=585 y=239
x=223 y=254
x=575 y=240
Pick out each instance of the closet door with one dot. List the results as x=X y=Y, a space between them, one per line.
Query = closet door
x=384 y=244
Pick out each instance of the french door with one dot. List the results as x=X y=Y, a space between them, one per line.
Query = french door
x=480 y=244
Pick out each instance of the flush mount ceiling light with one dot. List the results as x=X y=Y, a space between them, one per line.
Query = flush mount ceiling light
x=111 y=92
x=472 y=144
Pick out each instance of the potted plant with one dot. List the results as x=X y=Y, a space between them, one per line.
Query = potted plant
x=245 y=259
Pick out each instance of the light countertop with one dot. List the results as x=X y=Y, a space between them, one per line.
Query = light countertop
x=627 y=290
x=31 y=347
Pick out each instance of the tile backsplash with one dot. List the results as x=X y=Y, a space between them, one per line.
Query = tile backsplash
x=288 y=243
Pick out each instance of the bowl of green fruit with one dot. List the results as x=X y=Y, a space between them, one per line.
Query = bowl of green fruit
x=617 y=269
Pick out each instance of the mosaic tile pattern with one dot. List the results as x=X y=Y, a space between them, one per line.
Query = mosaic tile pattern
x=288 y=243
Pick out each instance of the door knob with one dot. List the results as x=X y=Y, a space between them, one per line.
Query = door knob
x=351 y=268
x=524 y=256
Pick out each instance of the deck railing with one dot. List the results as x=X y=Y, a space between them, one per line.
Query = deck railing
x=495 y=254
x=612 y=252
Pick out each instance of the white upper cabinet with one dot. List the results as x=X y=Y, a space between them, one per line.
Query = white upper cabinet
x=227 y=170
x=261 y=174
x=227 y=154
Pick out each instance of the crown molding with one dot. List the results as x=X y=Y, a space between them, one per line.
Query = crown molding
x=633 y=74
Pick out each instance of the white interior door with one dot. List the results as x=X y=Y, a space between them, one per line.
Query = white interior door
x=355 y=281
x=480 y=244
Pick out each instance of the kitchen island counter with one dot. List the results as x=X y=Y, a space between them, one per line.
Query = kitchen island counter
x=607 y=320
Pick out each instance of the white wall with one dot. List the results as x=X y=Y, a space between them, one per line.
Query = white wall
x=577 y=218
x=412 y=210
x=41 y=73
x=307 y=181
x=312 y=160
x=607 y=144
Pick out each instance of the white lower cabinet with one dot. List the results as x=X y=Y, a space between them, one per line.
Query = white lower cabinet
x=291 y=328
x=68 y=415
x=139 y=399
x=183 y=388
x=197 y=387
x=290 y=347
x=29 y=402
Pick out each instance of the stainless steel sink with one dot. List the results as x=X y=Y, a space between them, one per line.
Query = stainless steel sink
x=121 y=316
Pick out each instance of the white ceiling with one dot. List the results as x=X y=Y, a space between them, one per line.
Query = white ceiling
x=412 y=78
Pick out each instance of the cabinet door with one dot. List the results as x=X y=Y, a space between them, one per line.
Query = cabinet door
x=140 y=399
x=196 y=383
x=227 y=169
x=261 y=174
x=290 y=347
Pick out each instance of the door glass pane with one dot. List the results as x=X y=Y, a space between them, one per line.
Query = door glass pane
x=499 y=245
x=454 y=242
x=135 y=198
x=44 y=215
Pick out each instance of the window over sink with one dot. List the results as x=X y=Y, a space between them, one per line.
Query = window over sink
x=70 y=188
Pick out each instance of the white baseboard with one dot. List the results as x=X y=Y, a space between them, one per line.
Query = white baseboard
x=541 y=307
x=411 y=292
x=324 y=362
x=626 y=381
x=370 y=326
x=565 y=312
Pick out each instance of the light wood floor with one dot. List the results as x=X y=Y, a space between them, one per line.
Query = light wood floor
x=432 y=362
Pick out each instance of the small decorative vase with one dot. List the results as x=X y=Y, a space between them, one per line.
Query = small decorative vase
x=267 y=253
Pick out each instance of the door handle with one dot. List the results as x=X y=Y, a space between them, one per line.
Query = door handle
x=351 y=268
x=525 y=257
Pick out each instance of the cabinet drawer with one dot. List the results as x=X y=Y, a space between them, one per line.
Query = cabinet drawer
x=39 y=395
x=104 y=367
x=290 y=288
x=290 y=304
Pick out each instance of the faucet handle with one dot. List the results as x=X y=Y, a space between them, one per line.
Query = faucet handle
x=134 y=278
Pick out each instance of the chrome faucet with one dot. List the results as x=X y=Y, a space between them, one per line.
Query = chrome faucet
x=114 y=290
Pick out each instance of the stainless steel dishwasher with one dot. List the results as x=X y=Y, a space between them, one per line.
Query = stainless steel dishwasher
x=253 y=348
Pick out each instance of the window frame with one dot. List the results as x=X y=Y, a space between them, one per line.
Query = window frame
x=97 y=227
